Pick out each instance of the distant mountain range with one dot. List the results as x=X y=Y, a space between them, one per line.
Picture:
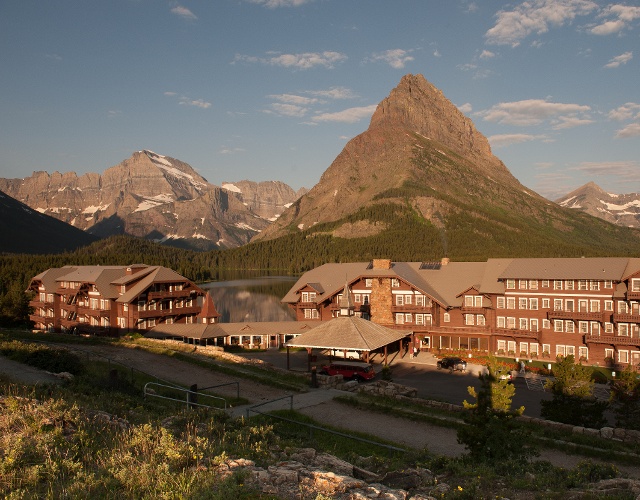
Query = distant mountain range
x=24 y=230
x=620 y=209
x=420 y=177
x=156 y=197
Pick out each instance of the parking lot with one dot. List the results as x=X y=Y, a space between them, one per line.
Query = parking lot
x=422 y=374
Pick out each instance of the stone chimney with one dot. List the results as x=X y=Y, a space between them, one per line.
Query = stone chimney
x=381 y=263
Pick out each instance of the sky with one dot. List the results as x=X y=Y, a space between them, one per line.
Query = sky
x=274 y=89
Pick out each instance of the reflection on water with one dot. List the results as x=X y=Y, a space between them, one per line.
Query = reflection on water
x=252 y=299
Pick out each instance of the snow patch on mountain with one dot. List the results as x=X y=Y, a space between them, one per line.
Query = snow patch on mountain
x=154 y=201
x=231 y=187
x=92 y=209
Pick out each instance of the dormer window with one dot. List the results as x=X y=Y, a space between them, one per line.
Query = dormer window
x=395 y=282
x=368 y=282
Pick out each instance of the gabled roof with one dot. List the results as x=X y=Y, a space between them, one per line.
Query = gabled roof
x=208 y=308
x=348 y=332
x=590 y=268
x=208 y=331
x=157 y=274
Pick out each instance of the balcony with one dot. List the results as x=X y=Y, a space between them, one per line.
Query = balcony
x=473 y=310
x=612 y=339
x=411 y=308
x=515 y=333
x=162 y=313
x=635 y=295
x=166 y=294
x=579 y=315
x=626 y=318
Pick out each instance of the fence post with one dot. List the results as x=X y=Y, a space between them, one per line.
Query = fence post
x=192 y=396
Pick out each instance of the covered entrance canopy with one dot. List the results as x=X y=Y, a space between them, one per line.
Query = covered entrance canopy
x=349 y=333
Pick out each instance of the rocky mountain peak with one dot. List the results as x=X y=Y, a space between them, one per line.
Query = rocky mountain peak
x=419 y=106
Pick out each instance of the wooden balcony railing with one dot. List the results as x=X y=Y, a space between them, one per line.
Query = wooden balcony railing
x=612 y=339
x=579 y=315
x=169 y=295
x=626 y=318
x=162 y=313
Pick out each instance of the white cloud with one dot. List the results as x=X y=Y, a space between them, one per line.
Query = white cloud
x=305 y=60
x=294 y=99
x=198 y=103
x=535 y=112
x=184 y=13
x=274 y=4
x=351 y=115
x=570 y=122
x=169 y=94
x=114 y=113
x=465 y=108
x=487 y=54
x=623 y=16
x=396 y=58
x=618 y=60
x=228 y=151
x=628 y=171
x=333 y=93
x=285 y=109
x=504 y=140
x=535 y=16
x=627 y=111
x=631 y=130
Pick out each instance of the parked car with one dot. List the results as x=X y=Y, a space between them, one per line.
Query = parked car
x=350 y=370
x=452 y=364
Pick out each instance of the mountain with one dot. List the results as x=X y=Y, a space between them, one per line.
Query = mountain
x=422 y=174
x=26 y=231
x=620 y=209
x=267 y=199
x=148 y=196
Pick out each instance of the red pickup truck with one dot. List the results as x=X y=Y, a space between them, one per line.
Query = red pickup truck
x=350 y=370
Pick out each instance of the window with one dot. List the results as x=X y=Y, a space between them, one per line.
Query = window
x=408 y=318
x=545 y=303
x=569 y=326
x=582 y=284
x=311 y=314
x=357 y=298
x=480 y=320
x=583 y=327
x=469 y=319
x=399 y=319
x=546 y=349
x=511 y=323
x=568 y=285
x=511 y=346
x=511 y=302
x=500 y=302
x=502 y=345
x=623 y=307
x=524 y=324
x=583 y=352
x=595 y=306
x=468 y=300
x=608 y=283
x=407 y=299
x=533 y=324
x=368 y=282
x=305 y=296
x=533 y=284
x=522 y=284
x=557 y=284
x=623 y=329
x=524 y=347
x=446 y=318
x=501 y=322
x=522 y=303
x=608 y=328
x=533 y=304
x=533 y=349
x=623 y=356
x=568 y=305
x=570 y=350
x=395 y=282
x=595 y=328
x=511 y=284
x=608 y=305
x=419 y=319
x=560 y=350
x=594 y=285
x=545 y=283
x=608 y=353
x=478 y=300
x=546 y=324
x=420 y=300
x=557 y=325
x=428 y=319
x=399 y=300
x=557 y=304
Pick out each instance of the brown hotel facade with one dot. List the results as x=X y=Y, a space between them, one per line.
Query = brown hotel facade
x=111 y=300
x=520 y=308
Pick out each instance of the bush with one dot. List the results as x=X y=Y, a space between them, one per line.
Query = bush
x=42 y=357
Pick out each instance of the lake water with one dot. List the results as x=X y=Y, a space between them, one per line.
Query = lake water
x=252 y=299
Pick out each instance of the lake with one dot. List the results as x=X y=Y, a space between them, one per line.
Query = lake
x=252 y=299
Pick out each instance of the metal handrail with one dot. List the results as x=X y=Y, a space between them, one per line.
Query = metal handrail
x=237 y=384
x=189 y=392
x=251 y=408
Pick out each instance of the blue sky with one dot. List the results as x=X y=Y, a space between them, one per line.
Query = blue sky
x=273 y=89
